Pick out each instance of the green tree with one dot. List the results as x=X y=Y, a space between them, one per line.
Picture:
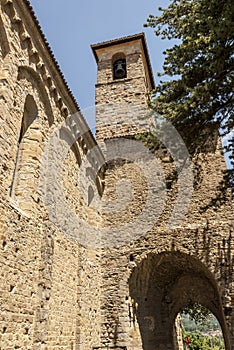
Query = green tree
x=200 y=67
x=200 y=342
x=198 y=313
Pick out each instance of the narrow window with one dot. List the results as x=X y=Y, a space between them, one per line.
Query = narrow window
x=21 y=163
x=30 y=114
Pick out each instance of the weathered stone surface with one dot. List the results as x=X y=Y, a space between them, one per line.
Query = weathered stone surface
x=72 y=276
x=49 y=283
x=151 y=279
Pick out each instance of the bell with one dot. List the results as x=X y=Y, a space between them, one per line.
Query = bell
x=119 y=70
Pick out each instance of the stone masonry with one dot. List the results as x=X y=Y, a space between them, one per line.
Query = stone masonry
x=150 y=279
x=49 y=283
x=119 y=275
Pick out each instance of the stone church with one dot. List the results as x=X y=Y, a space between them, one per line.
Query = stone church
x=103 y=240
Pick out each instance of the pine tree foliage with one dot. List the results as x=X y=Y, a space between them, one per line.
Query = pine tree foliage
x=200 y=66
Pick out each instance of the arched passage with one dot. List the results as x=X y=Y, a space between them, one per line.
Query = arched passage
x=161 y=286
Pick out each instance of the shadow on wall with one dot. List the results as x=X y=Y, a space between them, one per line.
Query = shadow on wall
x=4 y=44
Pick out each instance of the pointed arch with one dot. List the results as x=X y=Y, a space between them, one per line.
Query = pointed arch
x=35 y=80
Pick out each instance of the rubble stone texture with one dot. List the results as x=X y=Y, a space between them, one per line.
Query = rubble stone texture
x=60 y=289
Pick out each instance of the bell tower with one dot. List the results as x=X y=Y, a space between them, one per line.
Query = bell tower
x=124 y=77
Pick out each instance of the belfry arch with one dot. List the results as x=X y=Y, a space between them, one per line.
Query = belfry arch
x=161 y=286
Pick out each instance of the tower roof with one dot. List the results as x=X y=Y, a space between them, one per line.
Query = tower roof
x=126 y=39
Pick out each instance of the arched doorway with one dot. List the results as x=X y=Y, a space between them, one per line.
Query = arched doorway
x=161 y=286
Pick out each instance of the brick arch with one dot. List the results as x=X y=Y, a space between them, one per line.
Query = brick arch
x=4 y=43
x=161 y=286
x=35 y=80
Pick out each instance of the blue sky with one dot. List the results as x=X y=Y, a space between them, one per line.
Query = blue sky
x=72 y=26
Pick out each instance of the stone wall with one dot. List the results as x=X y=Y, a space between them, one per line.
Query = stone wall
x=163 y=261
x=128 y=93
x=49 y=282
x=203 y=237
x=120 y=274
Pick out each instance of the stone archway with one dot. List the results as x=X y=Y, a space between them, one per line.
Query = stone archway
x=161 y=286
